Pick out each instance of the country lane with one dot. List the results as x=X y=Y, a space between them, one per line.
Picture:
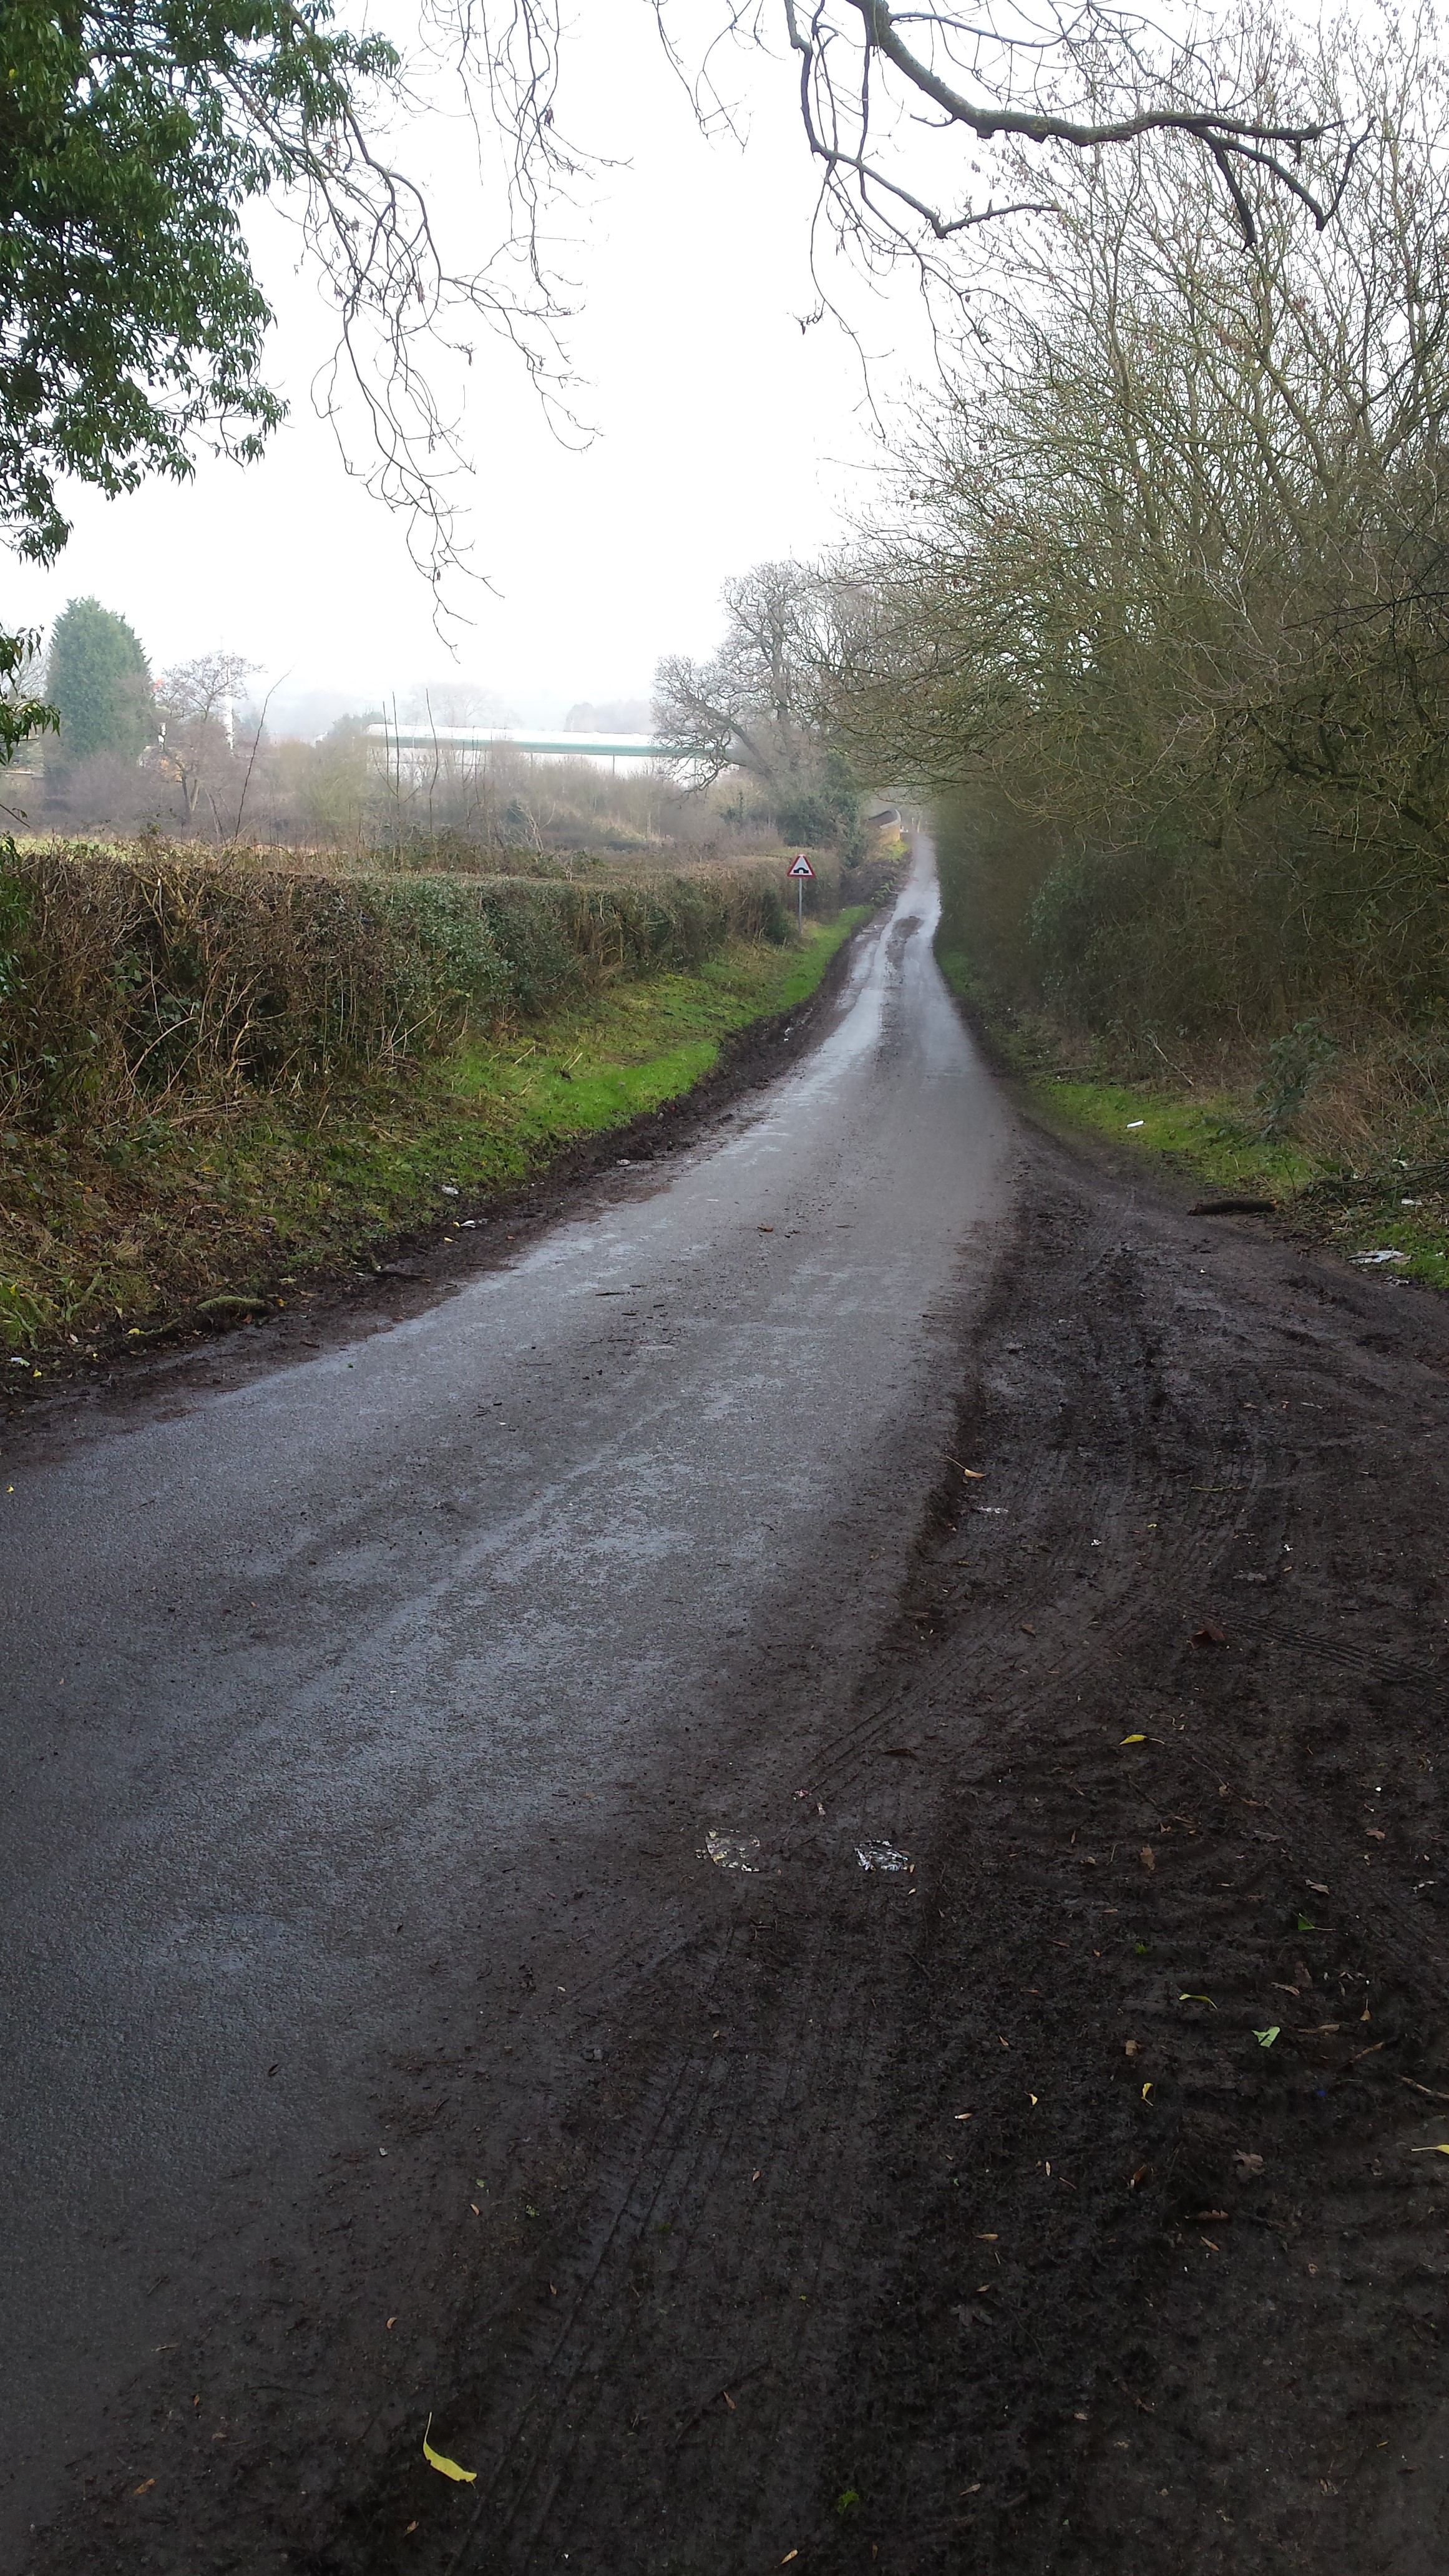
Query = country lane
x=349 y=1703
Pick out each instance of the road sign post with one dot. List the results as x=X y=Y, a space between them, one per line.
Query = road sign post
x=800 y=871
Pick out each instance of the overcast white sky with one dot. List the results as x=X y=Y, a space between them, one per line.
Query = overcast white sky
x=727 y=435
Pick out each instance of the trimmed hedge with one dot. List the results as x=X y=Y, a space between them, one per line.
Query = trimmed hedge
x=124 y=980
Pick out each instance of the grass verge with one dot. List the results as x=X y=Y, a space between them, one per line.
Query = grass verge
x=234 y=1200
x=1397 y=1205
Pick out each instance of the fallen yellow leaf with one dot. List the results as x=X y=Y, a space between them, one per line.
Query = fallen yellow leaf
x=1429 y=2151
x=449 y=2468
x=1134 y=1739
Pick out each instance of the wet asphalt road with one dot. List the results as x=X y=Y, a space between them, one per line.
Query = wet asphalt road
x=303 y=1674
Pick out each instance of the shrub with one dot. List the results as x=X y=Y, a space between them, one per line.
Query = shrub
x=125 y=979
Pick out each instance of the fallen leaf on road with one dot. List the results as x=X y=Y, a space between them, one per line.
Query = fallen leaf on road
x=1141 y=2175
x=789 y=2554
x=1317 y=1886
x=145 y=2487
x=1133 y=2047
x=962 y=2115
x=1209 y=1634
x=1146 y=2089
x=1134 y=1739
x=1198 y=1999
x=1414 y=2151
x=448 y=2468
x=1247 y=2165
x=1026 y=1630
x=1149 y=1857
x=729 y=2401
x=1265 y=2038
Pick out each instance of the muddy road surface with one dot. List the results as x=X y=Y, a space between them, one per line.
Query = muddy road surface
x=782 y=1864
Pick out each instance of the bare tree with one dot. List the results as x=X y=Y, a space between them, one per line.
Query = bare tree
x=751 y=705
x=889 y=96
x=1169 y=580
x=887 y=99
x=196 y=744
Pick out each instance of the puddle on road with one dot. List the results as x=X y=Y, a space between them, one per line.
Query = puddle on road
x=742 y=1852
x=732 y=1851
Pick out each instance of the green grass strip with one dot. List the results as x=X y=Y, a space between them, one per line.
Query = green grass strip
x=143 y=1223
x=1217 y=1142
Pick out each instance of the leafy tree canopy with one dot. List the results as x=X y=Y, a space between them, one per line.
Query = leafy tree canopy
x=131 y=136
x=98 y=682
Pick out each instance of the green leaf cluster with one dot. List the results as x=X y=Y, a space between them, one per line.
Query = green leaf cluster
x=132 y=134
x=21 y=713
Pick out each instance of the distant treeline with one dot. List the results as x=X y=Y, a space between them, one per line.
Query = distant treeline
x=130 y=980
x=1162 y=621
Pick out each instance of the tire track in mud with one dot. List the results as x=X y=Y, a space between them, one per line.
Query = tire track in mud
x=846 y=1764
x=652 y=2184
x=737 y=2151
x=1214 y=1480
x=1075 y=2480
